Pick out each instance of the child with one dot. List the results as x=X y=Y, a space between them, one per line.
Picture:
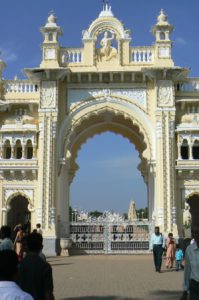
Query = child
x=179 y=258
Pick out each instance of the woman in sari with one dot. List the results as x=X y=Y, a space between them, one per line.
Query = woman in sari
x=170 y=251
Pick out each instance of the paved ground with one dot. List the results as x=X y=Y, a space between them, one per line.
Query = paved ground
x=124 y=277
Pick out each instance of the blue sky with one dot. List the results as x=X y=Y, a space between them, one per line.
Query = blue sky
x=108 y=176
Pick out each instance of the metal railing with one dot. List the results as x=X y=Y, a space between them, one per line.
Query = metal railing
x=111 y=237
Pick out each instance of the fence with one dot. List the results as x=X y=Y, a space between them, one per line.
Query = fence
x=123 y=237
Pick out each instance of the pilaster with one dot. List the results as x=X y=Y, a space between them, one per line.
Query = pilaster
x=166 y=181
x=47 y=156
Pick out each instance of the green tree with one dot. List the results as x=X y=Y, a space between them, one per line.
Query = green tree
x=95 y=213
x=142 y=213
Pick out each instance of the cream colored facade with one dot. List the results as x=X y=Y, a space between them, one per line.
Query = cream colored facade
x=76 y=93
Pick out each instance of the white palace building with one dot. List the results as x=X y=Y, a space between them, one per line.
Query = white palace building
x=107 y=85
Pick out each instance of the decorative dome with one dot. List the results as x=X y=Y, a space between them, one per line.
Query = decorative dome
x=51 y=22
x=106 y=12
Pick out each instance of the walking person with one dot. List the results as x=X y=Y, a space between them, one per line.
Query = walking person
x=17 y=242
x=157 y=244
x=179 y=257
x=191 y=269
x=170 y=251
x=8 y=275
x=35 y=274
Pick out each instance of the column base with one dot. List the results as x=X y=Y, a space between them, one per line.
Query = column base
x=64 y=252
x=51 y=246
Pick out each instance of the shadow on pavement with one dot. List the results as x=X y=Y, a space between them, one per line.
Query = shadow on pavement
x=100 y=298
x=57 y=264
x=168 y=270
x=165 y=295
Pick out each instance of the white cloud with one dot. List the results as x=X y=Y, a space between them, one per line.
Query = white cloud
x=181 y=41
x=7 y=55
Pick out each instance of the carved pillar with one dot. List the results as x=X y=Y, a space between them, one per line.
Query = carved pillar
x=1 y=150
x=190 y=150
x=12 y=150
x=34 y=154
x=166 y=181
x=23 y=144
x=179 y=151
x=47 y=154
x=63 y=199
x=158 y=205
x=151 y=191
x=4 y=216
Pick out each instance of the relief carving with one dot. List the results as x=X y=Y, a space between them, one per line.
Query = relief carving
x=48 y=94
x=189 y=193
x=165 y=93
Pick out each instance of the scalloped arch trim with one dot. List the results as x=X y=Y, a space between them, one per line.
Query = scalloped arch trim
x=105 y=114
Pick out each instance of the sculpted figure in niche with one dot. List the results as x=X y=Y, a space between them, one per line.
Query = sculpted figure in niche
x=107 y=51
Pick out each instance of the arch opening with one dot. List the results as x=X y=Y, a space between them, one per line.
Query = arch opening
x=108 y=178
x=193 y=202
x=18 y=212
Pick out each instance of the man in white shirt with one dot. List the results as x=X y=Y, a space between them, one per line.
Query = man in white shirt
x=157 y=244
x=8 y=273
x=191 y=270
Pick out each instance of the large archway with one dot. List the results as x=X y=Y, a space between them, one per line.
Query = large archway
x=88 y=120
x=19 y=212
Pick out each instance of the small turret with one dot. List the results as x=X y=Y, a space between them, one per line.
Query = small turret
x=51 y=32
x=162 y=31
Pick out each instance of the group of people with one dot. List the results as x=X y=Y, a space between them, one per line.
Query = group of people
x=24 y=272
x=172 y=251
x=159 y=245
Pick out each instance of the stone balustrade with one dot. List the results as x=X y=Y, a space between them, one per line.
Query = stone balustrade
x=142 y=55
x=189 y=86
x=71 y=55
x=20 y=86
x=139 y=55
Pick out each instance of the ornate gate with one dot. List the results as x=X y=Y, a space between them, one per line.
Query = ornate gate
x=106 y=237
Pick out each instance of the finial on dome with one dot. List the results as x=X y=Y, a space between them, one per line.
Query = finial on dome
x=162 y=18
x=106 y=11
